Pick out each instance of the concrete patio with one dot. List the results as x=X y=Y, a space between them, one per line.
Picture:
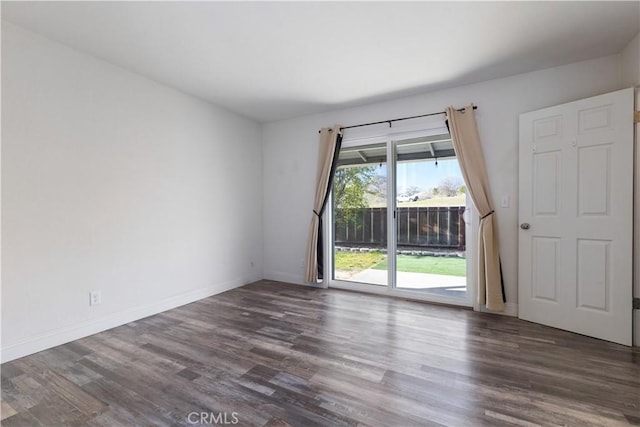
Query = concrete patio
x=442 y=284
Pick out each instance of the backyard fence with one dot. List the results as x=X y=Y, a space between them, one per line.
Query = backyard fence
x=419 y=226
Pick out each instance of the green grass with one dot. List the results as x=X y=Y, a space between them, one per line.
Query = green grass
x=428 y=264
x=357 y=261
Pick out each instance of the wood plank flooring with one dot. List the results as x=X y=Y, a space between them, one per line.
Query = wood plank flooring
x=272 y=354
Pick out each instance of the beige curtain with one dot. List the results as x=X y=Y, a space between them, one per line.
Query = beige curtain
x=328 y=152
x=466 y=143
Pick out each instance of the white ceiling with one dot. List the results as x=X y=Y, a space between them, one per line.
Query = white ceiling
x=275 y=60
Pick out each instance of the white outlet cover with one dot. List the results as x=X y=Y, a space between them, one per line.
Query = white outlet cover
x=95 y=298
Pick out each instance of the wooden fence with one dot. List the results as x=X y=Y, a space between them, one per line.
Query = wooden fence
x=420 y=226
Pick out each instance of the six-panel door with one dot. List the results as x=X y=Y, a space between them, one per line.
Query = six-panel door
x=576 y=194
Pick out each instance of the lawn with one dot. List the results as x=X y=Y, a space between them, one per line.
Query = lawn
x=428 y=264
x=358 y=261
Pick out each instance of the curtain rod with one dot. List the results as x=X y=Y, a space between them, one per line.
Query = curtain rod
x=475 y=107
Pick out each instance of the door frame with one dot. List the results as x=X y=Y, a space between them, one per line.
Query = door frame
x=388 y=137
x=635 y=316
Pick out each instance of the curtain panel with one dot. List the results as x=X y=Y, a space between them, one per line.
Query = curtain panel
x=466 y=143
x=328 y=152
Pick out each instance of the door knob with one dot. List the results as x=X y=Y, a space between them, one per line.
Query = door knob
x=525 y=226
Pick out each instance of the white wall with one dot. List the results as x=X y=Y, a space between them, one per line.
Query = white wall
x=630 y=63
x=290 y=153
x=630 y=76
x=116 y=183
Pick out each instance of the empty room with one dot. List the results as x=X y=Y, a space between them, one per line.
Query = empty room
x=320 y=213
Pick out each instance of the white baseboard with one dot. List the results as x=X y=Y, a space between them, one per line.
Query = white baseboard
x=510 y=309
x=636 y=328
x=284 y=277
x=60 y=336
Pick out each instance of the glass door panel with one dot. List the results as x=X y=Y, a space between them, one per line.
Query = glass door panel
x=360 y=215
x=430 y=228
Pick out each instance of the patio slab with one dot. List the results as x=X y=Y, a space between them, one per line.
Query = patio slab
x=410 y=280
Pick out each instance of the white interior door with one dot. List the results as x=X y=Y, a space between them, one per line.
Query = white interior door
x=576 y=209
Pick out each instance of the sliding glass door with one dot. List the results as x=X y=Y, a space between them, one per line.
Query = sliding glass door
x=430 y=228
x=399 y=219
x=360 y=215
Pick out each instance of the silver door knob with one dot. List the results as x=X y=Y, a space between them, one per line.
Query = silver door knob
x=525 y=226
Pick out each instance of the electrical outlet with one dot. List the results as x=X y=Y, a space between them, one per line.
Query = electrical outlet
x=95 y=298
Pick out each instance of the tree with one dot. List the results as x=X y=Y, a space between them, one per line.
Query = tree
x=350 y=186
x=412 y=190
x=449 y=186
x=378 y=186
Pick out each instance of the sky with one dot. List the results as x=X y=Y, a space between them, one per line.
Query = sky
x=423 y=174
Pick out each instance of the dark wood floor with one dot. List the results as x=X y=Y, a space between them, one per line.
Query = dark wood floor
x=271 y=354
